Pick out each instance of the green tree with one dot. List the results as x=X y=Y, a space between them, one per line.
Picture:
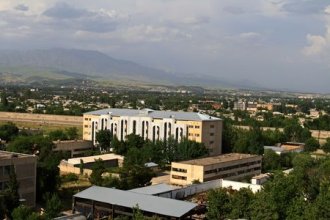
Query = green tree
x=10 y=196
x=133 y=140
x=8 y=131
x=104 y=137
x=326 y=146
x=271 y=161
x=119 y=147
x=249 y=141
x=311 y=145
x=294 y=132
x=240 y=203
x=98 y=169
x=187 y=149
x=57 y=135
x=218 y=204
x=4 y=101
x=47 y=167
x=53 y=206
x=137 y=214
x=81 y=167
x=135 y=156
x=24 y=213
x=297 y=209
x=263 y=207
x=134 y=176
x=72 y=133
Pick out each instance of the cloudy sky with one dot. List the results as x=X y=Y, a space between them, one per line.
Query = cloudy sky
x=282 y=44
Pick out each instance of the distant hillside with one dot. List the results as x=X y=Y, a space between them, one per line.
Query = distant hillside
x=62 y=64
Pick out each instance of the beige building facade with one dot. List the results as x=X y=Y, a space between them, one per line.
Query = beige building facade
x=25 y=167
x=156 y=125
x=232 y=166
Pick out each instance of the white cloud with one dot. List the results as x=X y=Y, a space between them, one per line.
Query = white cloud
x=319 y=44
x=148 y=33
x=249 y=35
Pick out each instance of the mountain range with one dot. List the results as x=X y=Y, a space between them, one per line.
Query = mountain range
x=29 y=66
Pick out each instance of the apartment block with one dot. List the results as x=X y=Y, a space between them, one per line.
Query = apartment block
x=25 y=167
x=156 y=125
x=232 y=166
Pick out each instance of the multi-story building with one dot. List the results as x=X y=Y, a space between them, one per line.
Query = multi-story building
x=232 y=166
x=240 y=105
x=156 y=125
x=25 y=167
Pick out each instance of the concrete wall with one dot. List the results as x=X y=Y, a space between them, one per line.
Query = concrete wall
x=238 y=185
x=69 y=168
x=206 y=186
x=41 y=118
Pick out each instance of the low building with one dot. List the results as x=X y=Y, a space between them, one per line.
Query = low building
x=25 y=167
x=73 y=165
x=105 y=203
x=75 y=147
x=284 y=148
x=240 y=105
x=232 y=166
x=260 y=179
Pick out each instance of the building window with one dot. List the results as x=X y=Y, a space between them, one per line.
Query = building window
x=179 y=170
x=86 y=126
x=190 y=126
x=211 y=134
x=197 y=126
x=86 y=119
x=6 y=169
x=211 y=126
x=179 y=177
x=211 y=142
x=197 y=135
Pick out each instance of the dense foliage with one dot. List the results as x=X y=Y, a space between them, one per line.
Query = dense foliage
x=302 y=194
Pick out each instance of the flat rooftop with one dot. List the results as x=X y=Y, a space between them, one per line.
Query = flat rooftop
x=261 y=176
x=219 y=159
x=92 y=159
x=9 y=155
x=188 y=116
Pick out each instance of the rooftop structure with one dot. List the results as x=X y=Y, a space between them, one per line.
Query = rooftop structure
x=155 y=125
x=111 y=202
x=228 y=166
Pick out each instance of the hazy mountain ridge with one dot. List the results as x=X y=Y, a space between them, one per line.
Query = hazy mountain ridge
x=86 y=64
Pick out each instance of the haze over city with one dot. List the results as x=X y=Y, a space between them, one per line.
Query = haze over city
x=278 y=44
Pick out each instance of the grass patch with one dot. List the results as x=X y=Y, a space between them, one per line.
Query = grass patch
x=45 y=128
